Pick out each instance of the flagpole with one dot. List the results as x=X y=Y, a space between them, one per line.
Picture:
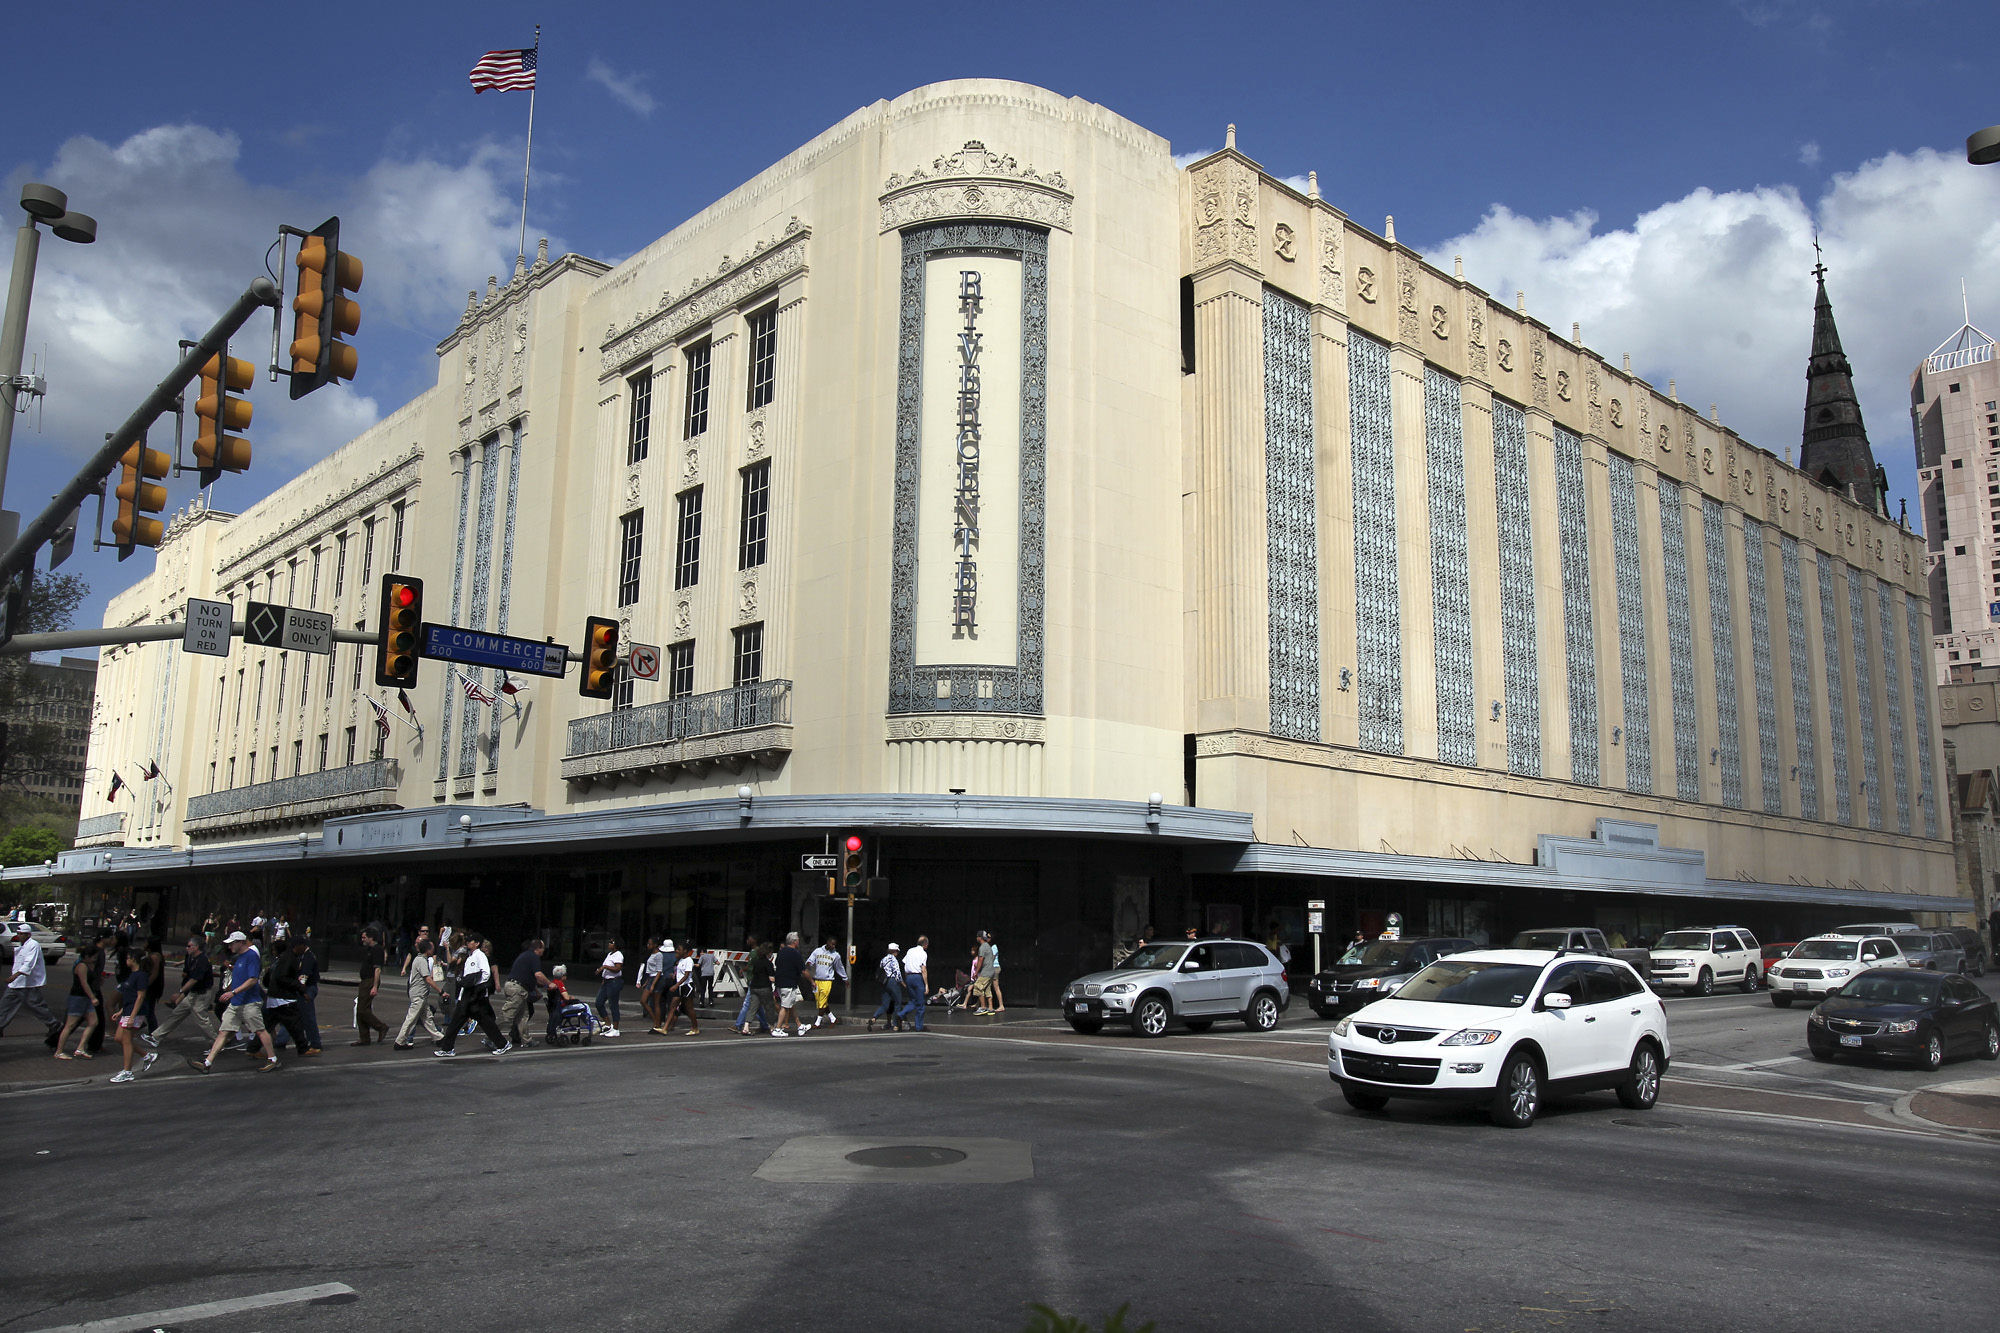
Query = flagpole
x=529 y=160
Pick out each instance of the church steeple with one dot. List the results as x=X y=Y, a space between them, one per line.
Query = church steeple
x=1835 y=449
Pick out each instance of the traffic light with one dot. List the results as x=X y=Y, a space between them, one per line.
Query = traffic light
x=397 y=626
x=853 y=874
x=215 y=449
x=140 y=496
x=321 y=314
x=600 y=658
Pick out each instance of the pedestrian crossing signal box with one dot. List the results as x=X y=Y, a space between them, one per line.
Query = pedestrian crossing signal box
x=874 y=889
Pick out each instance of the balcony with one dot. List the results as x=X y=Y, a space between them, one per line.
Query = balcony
x=730 y=729
x=101 y=830
x=305 y=799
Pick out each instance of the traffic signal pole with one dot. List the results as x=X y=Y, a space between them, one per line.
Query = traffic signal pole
x=261 y=293
x=62 y=640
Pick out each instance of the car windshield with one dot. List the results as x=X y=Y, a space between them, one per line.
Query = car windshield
x=1876 y=989
x=1683 y=939
x=1154 y=956
x=1541 y=939
x=1915 y=943
x=1828 y=949
x=1382 y=953
x=1461 y=981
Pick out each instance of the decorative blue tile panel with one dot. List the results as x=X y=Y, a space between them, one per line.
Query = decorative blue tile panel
x=1291 y=518
x=1864 y=694
x=1680 y=641
x=1836 y=691
x=1378 y=629
x=1517 y=590
x=482 y=586
x=1631 y=589
x=457 y=598
x=506 y=577
x=1451 y=588
x=1892 y=697
x=1579 y=635
x=1760 y=665
x=1920 y=667
x=1722 y=643
x=1805 y=751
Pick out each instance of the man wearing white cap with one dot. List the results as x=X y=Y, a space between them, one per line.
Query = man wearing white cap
x=24 y=988
x=245 y=999
x=891 y=1003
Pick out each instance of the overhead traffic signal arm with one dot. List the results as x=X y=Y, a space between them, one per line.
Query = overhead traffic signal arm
x=399 y=620
x=322 y=313
x=216 y=450
x=600 y=658
x=140 y=497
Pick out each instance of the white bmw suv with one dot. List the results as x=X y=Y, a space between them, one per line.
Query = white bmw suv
x=1509 y=1028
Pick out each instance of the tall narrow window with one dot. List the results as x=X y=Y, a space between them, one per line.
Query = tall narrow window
x=687 y=539
x=252 y=779
x=631 y=542
x=621 y=688
x=396 y=545
x=640 y=431
x=238 y=721
x=340 y=567
x=697 y=390
x=763 y=356
x=680 y=669
x=314 y=596
x=350 y=744
x=359 y=653
x=749 y=667
x=367 y=553
x=751 y=534
x=257 y=714
x=322 y=752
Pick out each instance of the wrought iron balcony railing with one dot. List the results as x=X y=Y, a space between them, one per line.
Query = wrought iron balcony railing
x=306 y=798
x=733 y=728
x=101 y=826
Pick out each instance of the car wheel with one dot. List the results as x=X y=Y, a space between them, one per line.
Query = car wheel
x=1518 y=1095
x=1641 y=1087
x=1149 y=1017
x=1089 y=1027
x=1932 y=1056
x=1991 y=1050
x=1362 y=1101
x=1780 y=1001
x=1199 y=1024
x=1263 y=1015
x=1749 y=980
x=1703 y=984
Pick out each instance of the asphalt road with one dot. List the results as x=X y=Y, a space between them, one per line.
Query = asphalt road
x=1205 y=1181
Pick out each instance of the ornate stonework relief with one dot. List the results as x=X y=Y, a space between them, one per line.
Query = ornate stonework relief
x=768 y=263
x=1592 y=398
x=1538 y=367
x=1440 y=322
x=691 y=465
x=632 y=485
x=1225 y=221
x=755 y=443
x=1562 y=385
x=968 y=727
x=1285 y=242
x=1617 y=413
x=683 y=615
x=1475 y=333
x=1408 y=326
x=1503 y=355
x=1332 y=274
x=1364 y=285
x=976 y=183
x=746 y=598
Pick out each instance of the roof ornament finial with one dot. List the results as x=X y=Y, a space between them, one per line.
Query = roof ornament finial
x=1673 y=389
x=1389 y=229
x=1628 y=363
x=1312 y=185
x=1458 y=267
x=1520 y=302
x=1229 y=136
x=1964 y=301
x=1819 y=259
x=1713 y=415
x=1576 y=332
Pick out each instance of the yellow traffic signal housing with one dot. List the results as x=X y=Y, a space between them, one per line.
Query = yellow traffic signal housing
x=322 y=313
x=140 y=496
x=600 y=658
x=399 y=621
x=853 y=870
x=216 y=450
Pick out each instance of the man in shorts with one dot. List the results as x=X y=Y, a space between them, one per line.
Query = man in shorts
x=789 y=969
x=245 y=1001
x=826 y=964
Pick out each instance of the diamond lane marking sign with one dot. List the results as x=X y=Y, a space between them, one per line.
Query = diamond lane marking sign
x=207 y=628
x=644 y=661
x=264 y=624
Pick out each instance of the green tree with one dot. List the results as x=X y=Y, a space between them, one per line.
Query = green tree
x=29 y=744
x=30 y=846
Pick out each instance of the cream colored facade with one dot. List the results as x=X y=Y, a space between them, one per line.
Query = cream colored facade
x=1955 y=417
x=1228 y=447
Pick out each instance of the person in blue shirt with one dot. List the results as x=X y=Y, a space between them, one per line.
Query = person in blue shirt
x=245 y=1000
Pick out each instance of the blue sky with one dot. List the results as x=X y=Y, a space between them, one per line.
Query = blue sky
x=1653 y=172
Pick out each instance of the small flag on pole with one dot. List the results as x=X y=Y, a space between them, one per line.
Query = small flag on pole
x=381 y=715
x=403 y=698
x=474 y=691
x=504 y=71
x=116 y=782
x=150 y=770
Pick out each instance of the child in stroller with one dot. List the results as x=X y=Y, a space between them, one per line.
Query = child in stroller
x=571 y=1022
x=952 y=996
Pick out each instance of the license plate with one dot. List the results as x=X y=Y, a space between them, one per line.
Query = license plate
x=1798 y=985
x=1850 y=1041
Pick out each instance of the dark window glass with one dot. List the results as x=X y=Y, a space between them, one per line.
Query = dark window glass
x=631 y=544
x=763 y=355
x=687 y=539
x=697 y=391
x=680 y=669
x=1569 y=979
x=749 y=655
x=1602 y=983
x=752 y=532
x=621 y=688
x=640 y=433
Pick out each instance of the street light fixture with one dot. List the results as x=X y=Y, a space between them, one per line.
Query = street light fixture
x=42 y=203
x=1982 y=147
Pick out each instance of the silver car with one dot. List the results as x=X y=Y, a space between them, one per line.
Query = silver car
x=1193 y=983
x=1934 y=952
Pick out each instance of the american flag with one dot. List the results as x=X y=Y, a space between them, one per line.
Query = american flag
x=474 y=691
x=504 y=71
x=381 y=714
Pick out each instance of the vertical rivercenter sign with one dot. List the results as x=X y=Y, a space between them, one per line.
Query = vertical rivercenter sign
x=970 y=470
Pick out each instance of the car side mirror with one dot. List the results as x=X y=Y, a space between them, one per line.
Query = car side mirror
x=1190 y=966
x=1555 y=1000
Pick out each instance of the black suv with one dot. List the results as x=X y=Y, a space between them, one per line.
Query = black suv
x=1375 y=968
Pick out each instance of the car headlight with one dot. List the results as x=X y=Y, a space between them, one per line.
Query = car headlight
x=1120 y=988
x=1472 y=1037
x=1909 y=1025
x=1838 y=971
x=1368 y=983
x=1817 y=1018
x=1340 y=1028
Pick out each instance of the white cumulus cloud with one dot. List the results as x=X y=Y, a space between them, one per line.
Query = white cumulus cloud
x=625 y=89
x=1716 y=289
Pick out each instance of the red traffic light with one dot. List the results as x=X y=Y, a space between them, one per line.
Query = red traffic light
x=853 y=843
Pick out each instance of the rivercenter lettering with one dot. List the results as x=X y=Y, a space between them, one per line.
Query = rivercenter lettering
x=965 y=508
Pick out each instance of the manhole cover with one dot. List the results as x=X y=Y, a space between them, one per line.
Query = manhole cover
x=1056 y=1059
x=1649 y=1124
x=905 y=1156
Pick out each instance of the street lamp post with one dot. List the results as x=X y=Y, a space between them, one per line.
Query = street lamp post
x=1982 y=147
x=43 y=203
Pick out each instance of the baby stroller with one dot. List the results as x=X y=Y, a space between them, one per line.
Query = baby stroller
x=950 y=997
x=573 y=1024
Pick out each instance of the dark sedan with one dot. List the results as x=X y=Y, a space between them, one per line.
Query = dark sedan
x=1374 y=970
x=1905 y=1014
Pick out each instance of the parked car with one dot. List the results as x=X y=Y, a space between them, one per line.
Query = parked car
x=1695 y=959
x=1193 y=983
x=1770 y=955
x=55 y=943
x=1509 y=1028
x=1823 y=964
x=1937 y=951
x=1975 y=948
x=1372 y=970
x=1577 y=939
x=1875 y=928
x=1905 y=1014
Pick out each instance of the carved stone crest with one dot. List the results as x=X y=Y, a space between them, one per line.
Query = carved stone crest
x=1784 y=499
x=746 y=598
x=1285 y=242
x=683 y=615
x=1562 y=385
x=1503 y=354
x=691 y=464
x=1407 y=325
x=1708 y=461
x=1475 y=334
x=632 y=485
x=1440 y=322
x=976 y=182
x=1617 y=413
x=755 y=443
x=1364 y=283
x=1332 y=276
x=1538 y=361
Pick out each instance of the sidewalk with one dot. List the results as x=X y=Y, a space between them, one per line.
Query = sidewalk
x=1972 y=1104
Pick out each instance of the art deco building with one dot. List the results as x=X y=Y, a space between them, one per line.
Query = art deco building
x=1103 y=541
x=1955 y=417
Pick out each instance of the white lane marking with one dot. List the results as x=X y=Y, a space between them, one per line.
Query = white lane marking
x=1760 y=1067
x=206 y=1310
x=1941 y=1132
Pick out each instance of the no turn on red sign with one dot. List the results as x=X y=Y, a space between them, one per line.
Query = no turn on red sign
x=643 y=661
